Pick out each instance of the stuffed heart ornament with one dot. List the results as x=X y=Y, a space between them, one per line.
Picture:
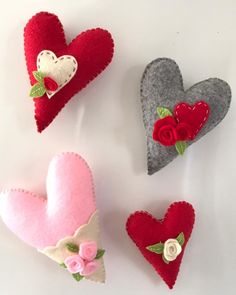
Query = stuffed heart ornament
x=58 y=71
x=64 y=226
x=162 y=242
x=174 y=118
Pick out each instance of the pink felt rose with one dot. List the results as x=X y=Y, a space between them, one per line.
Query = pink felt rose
x=90 y=268
x=88 y=250
x=74 y=264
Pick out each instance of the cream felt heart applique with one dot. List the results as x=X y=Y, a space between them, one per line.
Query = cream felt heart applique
x=65 y=225
x=92 y=49
x=52 y=73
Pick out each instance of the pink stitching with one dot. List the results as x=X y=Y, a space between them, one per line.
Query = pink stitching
x=192 y=109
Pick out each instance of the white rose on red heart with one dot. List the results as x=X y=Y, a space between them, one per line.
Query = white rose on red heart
x=172 y=249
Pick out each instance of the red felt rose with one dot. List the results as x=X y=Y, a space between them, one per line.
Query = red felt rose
x=92 y=49
x=50 y=84
x=194 y=115
x=164 y=131
x=184 y=125
x=183 y=131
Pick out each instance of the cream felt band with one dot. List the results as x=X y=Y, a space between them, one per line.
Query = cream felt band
x=86 y=232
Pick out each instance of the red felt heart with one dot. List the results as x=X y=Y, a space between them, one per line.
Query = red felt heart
x=145 y=230
x=195 y=115
x=93 y=50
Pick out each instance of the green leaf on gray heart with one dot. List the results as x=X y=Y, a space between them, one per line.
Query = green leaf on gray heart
x=181 y=239
x=163 y=112
x=181 y=147
x=77 y=277
x=100 y=253
x=156 y=248
x=72 y=247
x=164 y=259
x=37 y=90
x=38 y=76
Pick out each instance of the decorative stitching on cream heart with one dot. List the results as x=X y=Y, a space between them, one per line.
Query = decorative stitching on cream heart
x=61 y=69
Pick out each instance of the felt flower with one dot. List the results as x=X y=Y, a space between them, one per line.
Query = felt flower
x=164 y=131
x=50 y=84
x=74 y=264
x=43 y=84
x=172 y=249
x=84 y=262
x=88 y=250
x=183 y=131
x=169 y=249
x=90 y=268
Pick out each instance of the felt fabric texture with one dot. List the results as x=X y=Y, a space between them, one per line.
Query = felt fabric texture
x=61 y=69
x=146 y=230
x=70 y=203
x=86 y=232
x=195 y=116
x=50 y=84
x=164 y=131
x=162 y=86
x=92 y=49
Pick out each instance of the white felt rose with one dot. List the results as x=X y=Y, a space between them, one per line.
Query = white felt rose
x=172 y=249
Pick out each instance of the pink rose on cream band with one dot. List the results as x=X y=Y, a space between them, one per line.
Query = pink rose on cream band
x=84 y=262
x=88 y=250
x=74 y=264
x=90 y=268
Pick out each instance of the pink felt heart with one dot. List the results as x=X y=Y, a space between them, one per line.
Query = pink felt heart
x=70 y=203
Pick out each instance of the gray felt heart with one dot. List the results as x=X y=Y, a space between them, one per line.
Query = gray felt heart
x=162 y=86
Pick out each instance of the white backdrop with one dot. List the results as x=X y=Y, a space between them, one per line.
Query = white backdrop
x=104 y=124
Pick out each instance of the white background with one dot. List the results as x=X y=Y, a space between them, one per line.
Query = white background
x=104 y=124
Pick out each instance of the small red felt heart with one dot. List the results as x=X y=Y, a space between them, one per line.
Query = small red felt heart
x=92 y=49
x=195 y=115
x=145 y=230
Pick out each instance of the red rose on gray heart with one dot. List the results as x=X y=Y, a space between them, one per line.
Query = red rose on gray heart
x=167 y=131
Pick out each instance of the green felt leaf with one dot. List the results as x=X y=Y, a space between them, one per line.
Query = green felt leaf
x=63 y=265
x=181 y=239
x=100 y=253
x=38 y=76
x=37 y=90
x=163 y=112
x=166 y=261
x=181 y=147
x=72 y=247
x=77 y=277
x=156 y=248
